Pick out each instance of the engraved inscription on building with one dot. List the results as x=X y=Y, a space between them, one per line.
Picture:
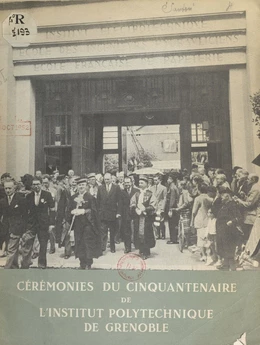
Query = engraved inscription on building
x=132 y=46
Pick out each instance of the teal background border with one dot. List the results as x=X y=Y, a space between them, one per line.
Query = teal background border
x=234 y=313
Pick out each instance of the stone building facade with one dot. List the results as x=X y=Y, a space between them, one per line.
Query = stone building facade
x=129 y=63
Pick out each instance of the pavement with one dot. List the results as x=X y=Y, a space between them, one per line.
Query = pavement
x=163 y=257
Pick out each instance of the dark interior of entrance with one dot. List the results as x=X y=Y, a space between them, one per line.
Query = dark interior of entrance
x=75 y=119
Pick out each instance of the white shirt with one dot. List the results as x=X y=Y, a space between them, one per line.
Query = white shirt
x=108 y=187
x=37 y=198
x=10 y=198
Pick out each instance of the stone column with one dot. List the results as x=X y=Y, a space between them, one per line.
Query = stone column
x=7 y=106
x=25 y=145
x=185 y=139
x=240 y=119
x=185 y=123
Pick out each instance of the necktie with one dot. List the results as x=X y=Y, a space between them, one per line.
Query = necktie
x=9 y=199
x=108 y=188
x=37 y=199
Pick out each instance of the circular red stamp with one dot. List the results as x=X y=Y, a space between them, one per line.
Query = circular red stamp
x=131 y=267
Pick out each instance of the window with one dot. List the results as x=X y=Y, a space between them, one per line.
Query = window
x=110 y=138
x=58 y=130
x=198 y=133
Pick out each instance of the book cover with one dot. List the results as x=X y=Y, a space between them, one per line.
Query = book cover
x=150 y=88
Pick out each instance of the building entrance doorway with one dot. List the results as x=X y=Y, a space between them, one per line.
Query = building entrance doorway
x=164 y=141
x=86 y=124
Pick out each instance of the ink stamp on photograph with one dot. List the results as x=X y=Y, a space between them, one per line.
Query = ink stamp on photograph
x=131 y=267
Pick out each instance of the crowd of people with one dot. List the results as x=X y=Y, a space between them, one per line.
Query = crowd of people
x=90 y=215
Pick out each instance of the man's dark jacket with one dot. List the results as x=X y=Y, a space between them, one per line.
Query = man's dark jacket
x=39 y=216
x=109 y=203
x=14 y=215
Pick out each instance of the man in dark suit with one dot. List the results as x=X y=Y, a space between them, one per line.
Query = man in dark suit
x=172 y=199
x=4 y=236
x=126 y=225
x=14 y=211
x=46 y=185
x=40 y=203
x=62 y=199
x=109 y=208
x=160 y=193
x=63 y=195
x=4 y=177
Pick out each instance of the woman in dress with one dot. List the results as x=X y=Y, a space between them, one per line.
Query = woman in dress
x=199 y=217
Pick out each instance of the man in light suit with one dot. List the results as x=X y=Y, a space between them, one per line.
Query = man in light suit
x=250 y=207
x=40 y=204
x=243 y=187
x=160 y=193
x=14 y=210
x=109 y=209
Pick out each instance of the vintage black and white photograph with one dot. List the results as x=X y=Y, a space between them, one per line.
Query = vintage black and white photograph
x=130 y=130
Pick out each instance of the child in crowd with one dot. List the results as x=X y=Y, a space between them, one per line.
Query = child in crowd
x=209 y=248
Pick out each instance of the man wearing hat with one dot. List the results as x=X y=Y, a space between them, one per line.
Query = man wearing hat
x=143 y=205
x=228 y=233
x=84 y=222
x=93 y=186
